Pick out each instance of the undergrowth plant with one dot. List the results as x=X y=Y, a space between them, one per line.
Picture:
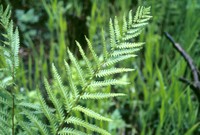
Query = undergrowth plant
x=9 y=63
x=56 y=112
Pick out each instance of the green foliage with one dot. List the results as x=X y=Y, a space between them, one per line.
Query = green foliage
x=61 y=118
x=10 y=45
x=155 y=102
x=9 y=49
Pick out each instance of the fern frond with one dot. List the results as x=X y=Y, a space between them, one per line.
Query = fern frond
x=29 y=105
x=5 y=121
x=26 y=128
x=78 y=68
x=5 y=82
x=48 y=114
x=10 y=48
x=77 y=121
x=5 y=101
x=40 y=126
x=91 y=113
x=54 y=100
x=125 y=27
x=4 y=112
x=96 y=59
x=105 y=52
x=135 y=26
x=112 y=71
x=112 y=35
x=130 y=18
x=71 y=131
x=15 y=47
x=4 y=130
x=107 y=83
x=58 y=80
x=120 y=49
x=5 y=17
x=117 y=30
x=100 y=95
x=71 y=82
x=89 y=65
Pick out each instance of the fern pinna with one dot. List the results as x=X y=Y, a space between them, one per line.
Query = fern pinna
x=59 y=117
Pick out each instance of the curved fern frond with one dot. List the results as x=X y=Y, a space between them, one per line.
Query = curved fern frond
x=54 y=100
x=98 y=74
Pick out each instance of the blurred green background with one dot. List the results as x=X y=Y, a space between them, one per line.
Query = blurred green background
x=156 y=102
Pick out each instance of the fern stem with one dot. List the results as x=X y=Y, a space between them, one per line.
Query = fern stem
x=13 y=114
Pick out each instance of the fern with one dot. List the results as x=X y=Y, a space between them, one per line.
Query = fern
x=121 y=48
x=9 y=49
x=59 y=117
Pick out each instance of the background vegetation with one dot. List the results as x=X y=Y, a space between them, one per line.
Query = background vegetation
x=156 y=102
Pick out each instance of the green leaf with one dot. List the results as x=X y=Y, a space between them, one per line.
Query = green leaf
x=125 y=51
x=40 y=126
x=112 y=35
x=107 y=83
x=58 y=80
x=47 y=112
x=77 y=121
x=78 y=68
x=100 y=95
x=111 y=71
x=92 y=51
x=91 y=113
x=54 y=100
x=89 y=65
x=130 y=45
x=71 y=82
x=117 y=30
